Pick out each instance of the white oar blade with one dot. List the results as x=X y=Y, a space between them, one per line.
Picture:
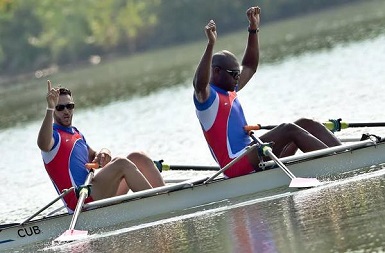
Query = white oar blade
x=71 y=235
x=300 y=182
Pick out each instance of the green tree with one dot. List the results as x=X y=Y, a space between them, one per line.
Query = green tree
x=37 y=33
x=74 y=28
x=65 y=29
x=17 y=28
x=40 y=32
x=114 y=23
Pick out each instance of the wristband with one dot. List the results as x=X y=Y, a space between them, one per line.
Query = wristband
x=253 y=30
x=50 y=109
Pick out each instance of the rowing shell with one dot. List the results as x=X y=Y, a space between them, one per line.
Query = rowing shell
x=324 y=164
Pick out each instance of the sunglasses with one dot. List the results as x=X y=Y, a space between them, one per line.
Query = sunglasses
x=69 y=106
x=234 y=73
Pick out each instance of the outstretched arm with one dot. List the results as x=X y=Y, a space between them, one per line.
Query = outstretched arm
x=251 y=56
x=202 y=73
x=45 y=139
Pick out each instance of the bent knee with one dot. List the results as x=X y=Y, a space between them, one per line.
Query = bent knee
x=291 y=128
x=137 y=155
x=122 y=162
x=305 y=122
x=288 y=126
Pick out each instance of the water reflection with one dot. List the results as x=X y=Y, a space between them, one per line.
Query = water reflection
x=347 y=216
x=343 y=216
x=250 y=230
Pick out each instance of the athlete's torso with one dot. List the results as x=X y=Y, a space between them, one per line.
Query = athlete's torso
x=65 y=162
x=222 y=120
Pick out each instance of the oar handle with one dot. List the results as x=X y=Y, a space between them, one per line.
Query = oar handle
x=258 y=127
x=92 y=166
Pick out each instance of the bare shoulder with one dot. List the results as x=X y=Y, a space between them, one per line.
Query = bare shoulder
x=202 y=94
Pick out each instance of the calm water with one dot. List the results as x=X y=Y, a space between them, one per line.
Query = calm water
x=346 y=81
x=343 y=217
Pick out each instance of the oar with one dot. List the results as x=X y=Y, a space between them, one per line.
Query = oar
x=165 y=167
x=190 y=167
x=64 y=193
x=296 y=182
x=331 y=125
x=247 y=150
x=337 y=125
x=71 y=234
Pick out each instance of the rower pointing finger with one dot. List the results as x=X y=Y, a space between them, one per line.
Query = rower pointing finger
x=49 y=85
x=52 y=95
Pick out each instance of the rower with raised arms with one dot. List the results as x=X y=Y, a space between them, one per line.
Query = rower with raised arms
x=65 y=153
x=217 y=80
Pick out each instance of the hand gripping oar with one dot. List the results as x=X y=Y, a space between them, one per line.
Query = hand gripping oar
x=62 y=195
x=71 y=234
x=296 y=182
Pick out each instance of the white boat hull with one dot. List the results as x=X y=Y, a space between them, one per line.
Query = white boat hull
x=105 y=213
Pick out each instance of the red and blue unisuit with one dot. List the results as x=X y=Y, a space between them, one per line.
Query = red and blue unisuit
x=65 y=162
x=222 y=120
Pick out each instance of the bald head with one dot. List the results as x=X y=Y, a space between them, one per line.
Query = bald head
x=224 y=59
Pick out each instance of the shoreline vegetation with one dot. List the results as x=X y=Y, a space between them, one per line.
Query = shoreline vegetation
x=143 y=73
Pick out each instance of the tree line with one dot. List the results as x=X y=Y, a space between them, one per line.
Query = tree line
x=38 y=33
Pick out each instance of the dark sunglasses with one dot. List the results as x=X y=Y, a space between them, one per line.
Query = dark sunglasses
x=234 y=73
x=60 y=108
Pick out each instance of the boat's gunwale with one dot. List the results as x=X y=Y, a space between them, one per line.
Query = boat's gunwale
x=144 y=194
x=196 y=194
x=268 y=165
x=298 y=158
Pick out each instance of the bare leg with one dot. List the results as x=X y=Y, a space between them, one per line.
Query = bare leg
x=147 y=167
x=122 y=188
x=287 y=138
x=316 y=129
x=319 y=131
x=288 y=150
x=106 y=182
x=291 y=134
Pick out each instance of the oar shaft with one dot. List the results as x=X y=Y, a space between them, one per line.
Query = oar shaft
x=64 y=193
x=328 y=124
x=247 y=151
x=82 y=197
x=188 y=167
x=269 y=152
x=369 y=124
